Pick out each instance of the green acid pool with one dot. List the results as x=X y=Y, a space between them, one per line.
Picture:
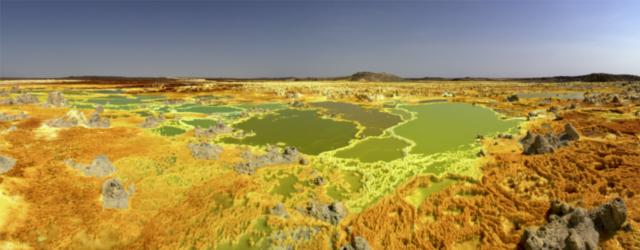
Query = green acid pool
x=375 y=149
x=374 y=121
x=206 y=109
x=303 y=129
x=441 y=127
x=201 y=123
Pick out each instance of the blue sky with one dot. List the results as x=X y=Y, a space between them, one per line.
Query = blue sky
x=318 y=38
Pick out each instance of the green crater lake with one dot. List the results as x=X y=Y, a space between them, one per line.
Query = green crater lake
x=201 y=123
x=303 y=129
x=441 y=127
x=206 y=109
x=374 y=121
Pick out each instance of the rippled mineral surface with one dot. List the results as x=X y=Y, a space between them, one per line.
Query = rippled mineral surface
x=167 y=164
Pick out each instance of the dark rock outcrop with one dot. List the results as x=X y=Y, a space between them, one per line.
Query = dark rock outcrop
x=513 y=98
x=5 y=117
x=26 y=98
x=71 y=119
x=273 y=156
x=375 y=77
x=357 y=243
x=279 y=210
x=318 y=181
x=96 y=121
x=6 y=164
x=56 y=99
x=217 y=129
x=114 y=195
x=152 y=121
x=331 y=213
x=534 y=143
x=576 y=228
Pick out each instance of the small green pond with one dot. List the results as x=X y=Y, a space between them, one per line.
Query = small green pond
x=170 y=131
x=286 y=186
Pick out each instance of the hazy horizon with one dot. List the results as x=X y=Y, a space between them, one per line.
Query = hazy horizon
x=318 y=39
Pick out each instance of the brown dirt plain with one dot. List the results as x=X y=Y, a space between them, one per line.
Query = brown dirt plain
x=47 y=205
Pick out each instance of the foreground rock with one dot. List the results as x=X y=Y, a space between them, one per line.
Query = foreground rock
x=71 y=119
x=56 y=99
x=100 y=167
x=358 y=243
x=534 y=143
x=75 y=118
x=6 y=164
x=114 y=195
x=576 y=228
x=273 y=156
x=205 y=151
x=331 y=213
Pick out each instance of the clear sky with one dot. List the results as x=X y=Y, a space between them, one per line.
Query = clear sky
x=318 y=38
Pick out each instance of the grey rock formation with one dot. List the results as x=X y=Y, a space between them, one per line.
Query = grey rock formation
x=541 y=145
x=56 y=99
x=5 y=117
x=6 y=164
x=576 y=228
x=279 y=210
x=114 y=195
x=570 y=133
x=534 y=143
x=218 y=129
x=7 y=101
x=100 y=167
x=96 y=121
x=71 y=119
x=26 y=98
x=331 y=213
x=273 y=156
x=513 y=98
x=297 y=104
x=205 y=151
x=357 y=243
x=152 y=121
x=609 y=217
x=616 y=99
x=286 y=238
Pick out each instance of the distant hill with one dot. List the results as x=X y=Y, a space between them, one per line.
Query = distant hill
x=375 y=77
x=594 y=77
x=363 y=76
